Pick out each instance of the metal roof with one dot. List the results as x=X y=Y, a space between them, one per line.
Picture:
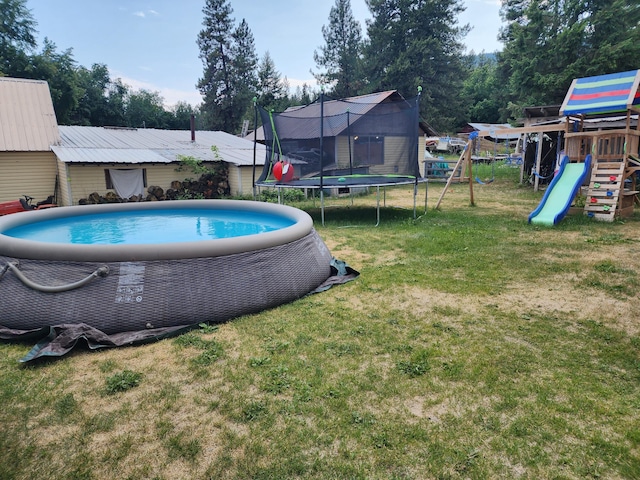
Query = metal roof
x=27 y=119
x=358 y=105
x=335 y=115
x=304 y=121
x=149 y=145
x=494 y=127
x=108 y=155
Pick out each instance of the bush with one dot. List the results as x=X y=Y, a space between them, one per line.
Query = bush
x=287 y=195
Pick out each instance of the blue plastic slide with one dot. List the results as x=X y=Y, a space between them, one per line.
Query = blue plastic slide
x=563 y=188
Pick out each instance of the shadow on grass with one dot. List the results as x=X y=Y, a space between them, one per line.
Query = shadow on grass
x=360 y=216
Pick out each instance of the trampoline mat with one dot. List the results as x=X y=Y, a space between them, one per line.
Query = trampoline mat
x=344 y=181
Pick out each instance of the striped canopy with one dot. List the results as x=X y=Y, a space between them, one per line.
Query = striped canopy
x=615 y=92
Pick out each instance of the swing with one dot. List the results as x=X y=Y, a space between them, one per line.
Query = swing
x=493 y=165
x=485 y=183
x=553 y=171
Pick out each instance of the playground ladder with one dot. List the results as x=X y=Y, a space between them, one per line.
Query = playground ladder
x=603 y=193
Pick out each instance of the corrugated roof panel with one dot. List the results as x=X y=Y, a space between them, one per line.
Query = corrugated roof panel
x=27 y=119
x=148 y=145
x=108 y=155
x=490 y=127
x=332 y=108
x=360 y=104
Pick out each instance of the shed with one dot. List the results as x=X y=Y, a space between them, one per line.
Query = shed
x=88 y=156
x=542 y=114
x=28 y=128
x=39 y=158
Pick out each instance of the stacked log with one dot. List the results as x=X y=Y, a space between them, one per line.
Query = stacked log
x=209 y=185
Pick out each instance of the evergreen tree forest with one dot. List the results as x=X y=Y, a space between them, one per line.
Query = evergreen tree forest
x=404 y=44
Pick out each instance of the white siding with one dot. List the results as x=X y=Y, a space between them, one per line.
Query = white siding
x=82 y=180
x=422 y=146
x=27 y=173
x=65 y=198
x=342 y=151
x=163 y=175
x=241 y=179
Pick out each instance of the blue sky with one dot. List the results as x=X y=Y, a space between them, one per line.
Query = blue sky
x=151 y=44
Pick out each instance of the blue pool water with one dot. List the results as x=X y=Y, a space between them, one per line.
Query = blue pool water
x=164 y=226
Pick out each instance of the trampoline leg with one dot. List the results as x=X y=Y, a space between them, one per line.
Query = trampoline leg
x=322 y=206
x=378 y=207
x=426 y=194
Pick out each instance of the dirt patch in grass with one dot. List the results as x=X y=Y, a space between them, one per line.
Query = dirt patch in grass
x=556 y=298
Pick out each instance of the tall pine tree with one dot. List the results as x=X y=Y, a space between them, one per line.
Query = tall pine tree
x=341 y=56
x=245 y=63
x=481 y=89
x=272 y=91
x=214 y=41
x=418 y=43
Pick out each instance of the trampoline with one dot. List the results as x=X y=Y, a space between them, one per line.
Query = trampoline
x=340 y=145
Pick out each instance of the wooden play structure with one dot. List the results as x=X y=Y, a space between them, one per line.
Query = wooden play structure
x=440 y=168
x=612 y=186
x=611 y=191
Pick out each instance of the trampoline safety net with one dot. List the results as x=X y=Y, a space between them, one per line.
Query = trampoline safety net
x=366 y=140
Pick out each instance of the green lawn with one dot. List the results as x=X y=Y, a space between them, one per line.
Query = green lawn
x=472 y=346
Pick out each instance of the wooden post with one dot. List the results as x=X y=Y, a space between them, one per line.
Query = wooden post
x=453 y=173
x=470 y=163
x=536 y=169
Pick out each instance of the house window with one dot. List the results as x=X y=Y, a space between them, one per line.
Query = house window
x=109 y=182
x=368 y=150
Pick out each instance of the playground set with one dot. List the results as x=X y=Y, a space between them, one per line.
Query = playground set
x=611 y=189
x=601 y=164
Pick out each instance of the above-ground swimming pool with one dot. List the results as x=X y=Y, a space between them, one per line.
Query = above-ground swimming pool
x=145 y=267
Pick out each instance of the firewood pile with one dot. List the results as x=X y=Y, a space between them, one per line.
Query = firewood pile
x=209 y=185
